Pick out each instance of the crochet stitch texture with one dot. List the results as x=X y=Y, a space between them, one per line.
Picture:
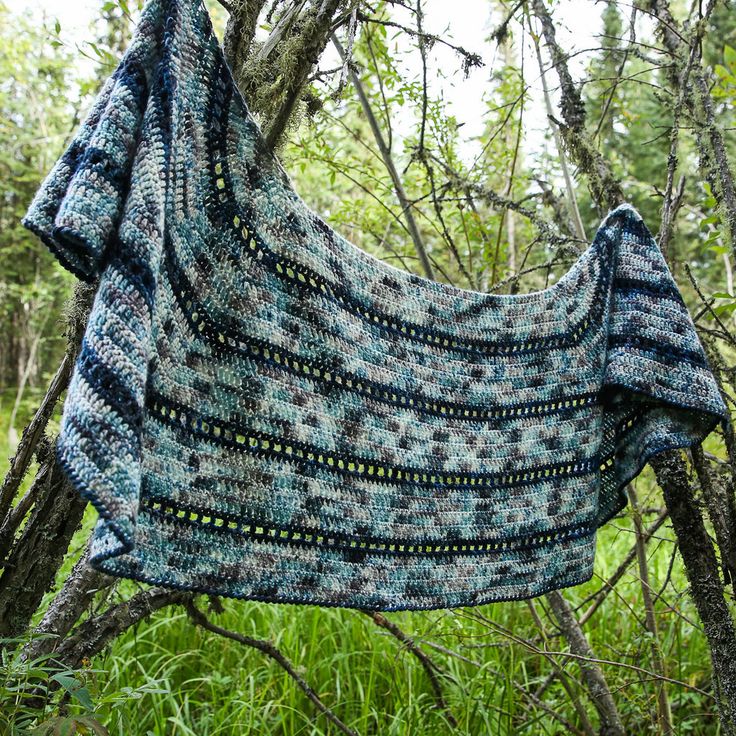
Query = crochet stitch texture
x=262 y=410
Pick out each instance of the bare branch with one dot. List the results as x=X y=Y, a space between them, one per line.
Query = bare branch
x=604 y=185
x=272 y=651
x=427 y=663
x=595 y=681
x=406 y=206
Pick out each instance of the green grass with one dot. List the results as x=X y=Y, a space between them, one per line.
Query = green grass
x=168 y=677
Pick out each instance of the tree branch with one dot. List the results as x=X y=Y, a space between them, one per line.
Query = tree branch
x=605 y=187
x=272 y=651
x=427 y=663
x=406 y=206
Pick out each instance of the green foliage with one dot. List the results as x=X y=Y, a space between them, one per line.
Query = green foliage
x=115 y=22
x=42 y=697
x=467 y=240
x=70 y=725
x=713 y=228
x=35 y=115
x=725 y=89
x=28 y=687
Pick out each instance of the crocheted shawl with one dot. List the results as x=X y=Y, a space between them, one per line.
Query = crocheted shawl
x=262 y=410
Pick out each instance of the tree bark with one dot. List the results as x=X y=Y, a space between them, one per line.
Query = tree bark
x=273 y=76
x=595 y=681
x=92 y=636
x=709 y=138
x=701 y=568
x=68 y=606
x=38 y=553
x=604 y=186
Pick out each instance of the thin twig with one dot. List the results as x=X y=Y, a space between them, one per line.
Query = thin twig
x=272 y=651
x=427 y=663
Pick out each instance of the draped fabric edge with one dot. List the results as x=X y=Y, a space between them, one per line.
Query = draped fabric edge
x=87 y=213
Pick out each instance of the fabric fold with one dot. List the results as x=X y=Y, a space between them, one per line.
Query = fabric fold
x=658 y=391
x=101 y=212
x=79 y=206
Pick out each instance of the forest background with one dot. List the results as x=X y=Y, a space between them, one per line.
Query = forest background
x=480 y=145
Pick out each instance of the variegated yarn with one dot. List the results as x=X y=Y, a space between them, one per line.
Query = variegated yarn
x=262 y=410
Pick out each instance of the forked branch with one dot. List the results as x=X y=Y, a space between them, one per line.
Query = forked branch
x=272 y=651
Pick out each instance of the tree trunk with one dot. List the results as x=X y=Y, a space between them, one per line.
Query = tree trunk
x=706 y=589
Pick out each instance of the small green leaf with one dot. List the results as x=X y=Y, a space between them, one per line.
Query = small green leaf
x=85 y=699
x=66 y=681
x=722 y=72
x=725 y=309
x=75 y=688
